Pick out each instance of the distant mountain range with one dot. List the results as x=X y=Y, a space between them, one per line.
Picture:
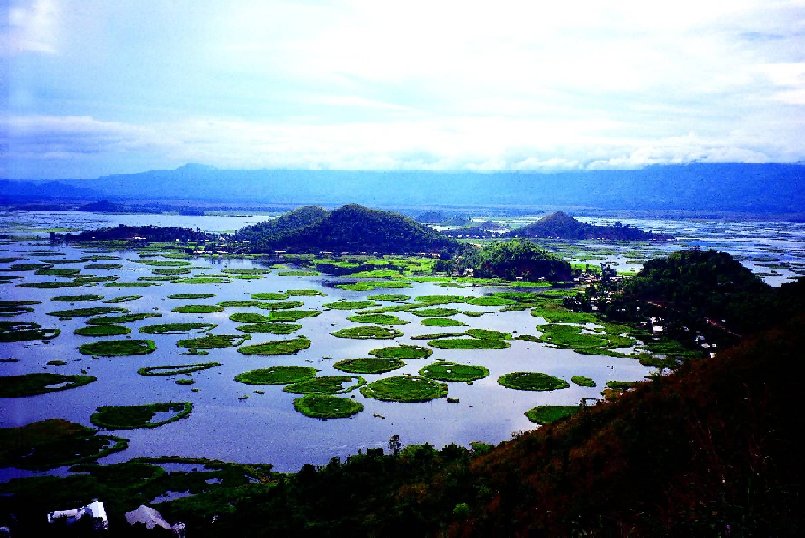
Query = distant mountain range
x=760 y=188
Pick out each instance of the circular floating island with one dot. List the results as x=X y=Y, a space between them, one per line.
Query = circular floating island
x=366 y=332
x=326 y=407
x=452 y=371
x=276 y=375
x=535 y=381
x=405 y=389
x=368 y=366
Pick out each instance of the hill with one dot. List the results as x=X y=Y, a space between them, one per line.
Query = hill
x=510 y=260
x=560 y=225
x=754 y=188
x=351 y=228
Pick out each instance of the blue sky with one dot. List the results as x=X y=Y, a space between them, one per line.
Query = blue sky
x=98 y=87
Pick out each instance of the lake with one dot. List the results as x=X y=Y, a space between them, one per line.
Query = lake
x=231 y=422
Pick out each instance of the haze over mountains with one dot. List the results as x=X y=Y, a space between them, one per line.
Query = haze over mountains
x=762 y=188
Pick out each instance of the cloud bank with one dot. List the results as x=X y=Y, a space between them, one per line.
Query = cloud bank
x=98 y=87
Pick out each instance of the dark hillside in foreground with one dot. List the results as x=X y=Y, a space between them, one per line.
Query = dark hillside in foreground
x=351 y=228
x=705 y=451
x=750 y=188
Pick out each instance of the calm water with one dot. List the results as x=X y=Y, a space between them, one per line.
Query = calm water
x=265 y=427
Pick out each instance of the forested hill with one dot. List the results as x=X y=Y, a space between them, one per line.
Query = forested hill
x=351 y=228
x=562 y=226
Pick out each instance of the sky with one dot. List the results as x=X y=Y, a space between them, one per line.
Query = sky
x=97 y=87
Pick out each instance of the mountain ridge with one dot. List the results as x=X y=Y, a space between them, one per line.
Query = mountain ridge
x=729 y=187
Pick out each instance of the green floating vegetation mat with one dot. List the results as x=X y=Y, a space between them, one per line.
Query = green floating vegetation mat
x=270 y=296
x=533 y=381
x=327 y=407
x=176 y=328
x=405 y=389
x=442 y=322
x=125 y=318
x=102 y=330
x=583 y=381
x=365 y=332
x=276 y=347
x=77 y=298
x=87 y=312
x=329 y=384
x=214 y=341
x=368 y=365
x=10 y=309
x=198 y=309
x=390 y=297
x=377 y=319
x=306 y=293
x=435 y=312
x=545 y=414
x=25 y=331
x=176 y=369
x=451 y=371
x=191 y=296
x=116 y=348
x=349 y=305
x=403 y=351
x=275 y=327
x=370 y=285
x=276 y=375
x=20 y=386
x=130 y=417
x=53 y=443
x=601 y=341
x=123 y=299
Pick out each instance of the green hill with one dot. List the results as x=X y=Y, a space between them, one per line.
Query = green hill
x=707 y=290
x=351 y=228
x=562 y=226
x=511 y=260
x=271 y=234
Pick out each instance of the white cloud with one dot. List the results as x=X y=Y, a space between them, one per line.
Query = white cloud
x=33 y=26
x=363 y=84
x=467 y=144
